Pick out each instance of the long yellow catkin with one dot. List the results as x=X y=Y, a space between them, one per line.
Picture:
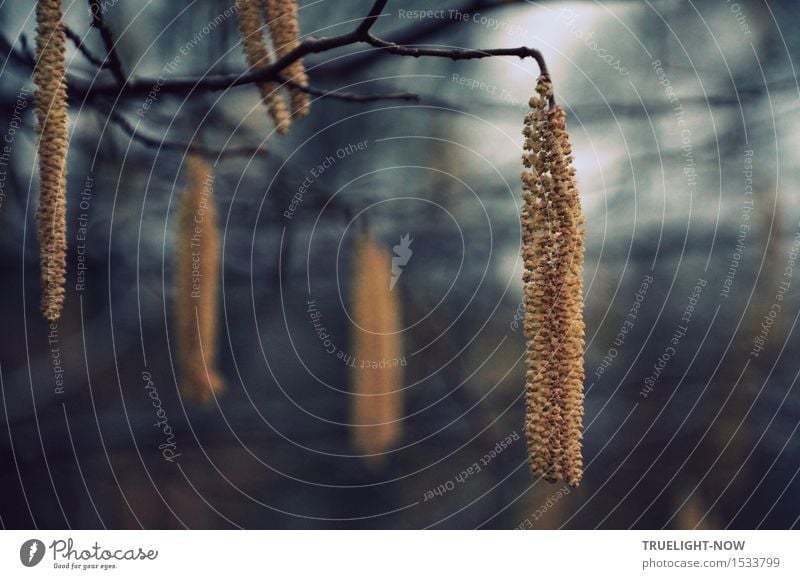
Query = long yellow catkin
x=377 y=375
x=257 y=55
x=553 y=253
x=51 y=124
x=197 y=285
x=285 y=33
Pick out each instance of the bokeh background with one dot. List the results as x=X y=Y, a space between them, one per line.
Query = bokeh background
x=684 y=119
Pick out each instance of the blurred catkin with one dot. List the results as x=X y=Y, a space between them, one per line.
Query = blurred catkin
x=197 y=285
x=51 y=124
x=285 y=33
x=553 y=252
x=377 y=398
x=255 y=50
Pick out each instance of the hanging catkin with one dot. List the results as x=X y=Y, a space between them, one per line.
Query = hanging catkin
x=255 y=50
x=285 y=33
x=377 y=374
x=553 y=251
x=51 y=124
x=197 y=285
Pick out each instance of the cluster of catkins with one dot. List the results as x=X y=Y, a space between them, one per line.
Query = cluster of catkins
x=52 y=116
x=553 y=251
x=553 y=255
x=281 y=21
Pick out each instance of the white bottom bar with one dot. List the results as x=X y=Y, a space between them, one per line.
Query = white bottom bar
x=389 y=554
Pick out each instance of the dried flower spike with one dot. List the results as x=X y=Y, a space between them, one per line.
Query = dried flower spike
x=553 y=252
x=255 y=50
x=377 y=369
x=51 y=124
x=285 y=33
x=197 y=286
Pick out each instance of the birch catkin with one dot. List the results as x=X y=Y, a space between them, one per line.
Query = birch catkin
x=197 y=285
x=285 y=33
x=377 y=374
x=255 y=51
x=553 y=252
x=51 y=124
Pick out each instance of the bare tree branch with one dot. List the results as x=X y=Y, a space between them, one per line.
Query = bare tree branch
x=128 y=87
x=361 y=34
x=23 y=56
x=415 y=34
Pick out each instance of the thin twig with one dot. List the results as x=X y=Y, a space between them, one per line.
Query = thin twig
x=78 y=42
x=370 y=19
x=114 y=63
x=354 y=97
x=459 y=53
x=21 y=54
x=119 y=119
